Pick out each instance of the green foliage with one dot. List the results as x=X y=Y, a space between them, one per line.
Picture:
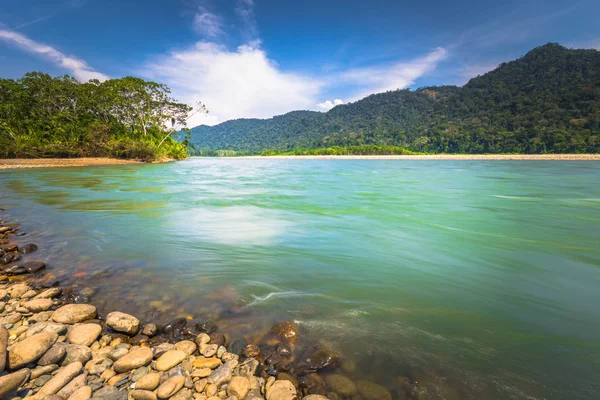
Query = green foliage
x=545 y=102
x=41 y=116
x=364 y=150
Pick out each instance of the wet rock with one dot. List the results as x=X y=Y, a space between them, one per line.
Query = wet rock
x=251 y=350
x=238 y=386
x=136 y=358
x=34 y=266
x=149 y=330
x=28 y=248
x=84 y=334
x=315 y=358
x=38 y=305
x=75 y=353
x=30 y=349
x=174 y=327
x=53 y=356
x=341 y=385
x=202 y=339
x=169 y=387
x=138 y=394
x=62 y=378
x=211 y=363
x=148 y=382
x=286 y=331
x=3 y=347
x=187 y=346
x=74 y=313
x=208 y=326
x=282 y=390
x=284 y=350
x=83 y=393
x=121 y=322
x=49 y=293
x=247 y=368
x=369 y=390
x=218 y=339
x=170 y=359
x=11 y=382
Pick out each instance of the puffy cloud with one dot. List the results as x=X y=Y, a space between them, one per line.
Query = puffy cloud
x=328 y=104
x=243 y=83
x=77 y=67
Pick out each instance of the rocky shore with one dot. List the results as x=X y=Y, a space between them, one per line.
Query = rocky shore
x=55 y=346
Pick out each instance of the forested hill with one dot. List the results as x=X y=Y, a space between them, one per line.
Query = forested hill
x=545 y=102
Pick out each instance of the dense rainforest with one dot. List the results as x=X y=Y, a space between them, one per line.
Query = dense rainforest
x=548 y=101
x=42 y=116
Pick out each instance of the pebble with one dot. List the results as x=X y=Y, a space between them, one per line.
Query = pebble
x=149 y=330
x=84 y=334
x=124 y=323
x=170 y=359
x=53 y=356
x=169 y=387
x=211 y=363
x=74 y=313
x=3 y=347
x=238 y=386
x=136 y=358
x=30 y=349
x=148 y=382
x=187 y=346
x=142 y=395
x=62 y=377
x=83 y=393
x=281 y=390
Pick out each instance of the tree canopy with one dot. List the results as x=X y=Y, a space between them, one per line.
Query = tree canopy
x=545 y=102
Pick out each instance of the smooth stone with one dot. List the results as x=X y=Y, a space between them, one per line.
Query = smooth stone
x=341 y=385
x=169 y=387
x=109 y=393
x=49 y=293
x=149 y=330
x=10 y=319
x=18 y=290
x=73 y=386
x=174 y=326
x=54 y=356
x=30 y=349
x=315 y=358
x=118 y=380
x=74 y=313
x=281 y=390
x=46 y=369
x=76 y=352
x=83 y=393
x=217 y=338
x=43 y=316
x=210 y=350
x=136 y=358
x=211 y=363
x=187 y=346
x=170 y=359
x=62 y=378
x=238 y=386
x=33 y=266
x=84 y=334
x=124 y=323
x=286 y=331
x=254 y=394
x=28 y=248
x=138 y=374
x=38 y=305
x=220 y=376
x=42 y=380
x=117 y=353
x=201 y=373
x=46 y=327
x=148 y=382
x=183 y=394
x=251 y=350
x=311 y=397
x=369 y=390
x=3 y=347
x=11 y=382
x=138 y=394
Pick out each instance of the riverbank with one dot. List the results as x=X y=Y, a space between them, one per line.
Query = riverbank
x=55 y=344
x=20 y=163
x=499 y=157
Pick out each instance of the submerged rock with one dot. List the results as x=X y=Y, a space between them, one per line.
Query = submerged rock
x=315 y=358
x=286 y=331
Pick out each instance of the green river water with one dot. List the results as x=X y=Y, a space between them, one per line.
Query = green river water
x=477 y=279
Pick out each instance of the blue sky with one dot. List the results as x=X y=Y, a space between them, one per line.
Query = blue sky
x=259 y=58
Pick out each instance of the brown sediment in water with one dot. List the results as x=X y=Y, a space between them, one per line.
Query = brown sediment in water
x=19 y=163
x=53 y=332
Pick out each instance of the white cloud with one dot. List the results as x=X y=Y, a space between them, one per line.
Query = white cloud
x=245 y=10
x=399 y=75
x=243 y=83
x=77 y=67
x=207 y=24
x=328 y=104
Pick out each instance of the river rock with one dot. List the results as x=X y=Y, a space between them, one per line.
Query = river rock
x=62 y=378
x=109 y=393
x=341 y=385
x=218 y=338
x=3 y=346
x=46 y=369
x=187 y=346
x=10 y=319
x=121 y=322
x=46 y=327
x=211 y=363
x=247 y=368
x=169 y=387
x=28 y=248
x=238 y=386
x=148 y=382
x=315 y=358
x=136 y=358
x=84 y=334
x=83 y=393
x=55 y=355
x=149 y=330
x=251 y=350
x=282 y=390
x=11 y=382
x=311 y=397
x=210 y=350
x=49 y=293
x=33 y=266
x=220 y=376
x=138 y=394
x=30 y=349
x=18 y=290
x=76 y=352
x=369 y=390
x=73 y=386
x=170 y=359
x=38 y=305
x=74 y=313
x=286 y=331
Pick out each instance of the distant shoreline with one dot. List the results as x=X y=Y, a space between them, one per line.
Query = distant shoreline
x=501 y=157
